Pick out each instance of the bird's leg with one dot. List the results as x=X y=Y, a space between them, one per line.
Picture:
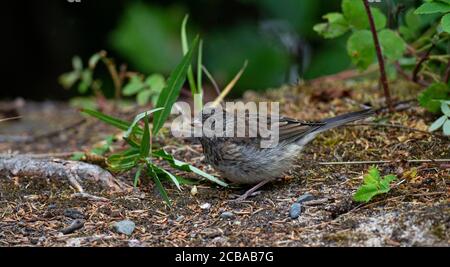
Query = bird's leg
x=250 y=191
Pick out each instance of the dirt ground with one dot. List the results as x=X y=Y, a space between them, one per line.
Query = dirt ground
x=416 y=212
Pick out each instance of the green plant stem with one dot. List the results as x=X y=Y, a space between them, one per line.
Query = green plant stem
x=383 y=76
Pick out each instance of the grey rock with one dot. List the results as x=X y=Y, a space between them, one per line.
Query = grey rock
x=295 y=211
x=125 y=227
x=227 y=215
x=304 y=198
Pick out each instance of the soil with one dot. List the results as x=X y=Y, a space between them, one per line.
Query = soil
x=416 y=212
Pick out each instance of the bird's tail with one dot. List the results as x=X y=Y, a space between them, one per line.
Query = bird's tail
x=344 y=119
x=336 y=122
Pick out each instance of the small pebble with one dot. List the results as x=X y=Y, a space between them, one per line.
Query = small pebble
x=194 y=191
x=205 y=206
x=296 y=210
x=226 y=215
x=304 y=198
x=125 y=227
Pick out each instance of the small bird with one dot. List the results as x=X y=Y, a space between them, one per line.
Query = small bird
x=241 y=160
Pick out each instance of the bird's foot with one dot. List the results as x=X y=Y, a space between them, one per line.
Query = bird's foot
x=250 y=192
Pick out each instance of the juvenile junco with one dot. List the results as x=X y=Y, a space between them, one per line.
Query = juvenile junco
x=242 y=160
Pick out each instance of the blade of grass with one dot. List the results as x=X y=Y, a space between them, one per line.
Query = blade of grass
x=145 y=143
x=170 y=176
x=137 y=176
x=185 y=47
x=199 y=67
x=151 y=172
x=211 y=79
x=170 y=94
x=118 y=123
x=180 y=165
x=230 y=86
x=138 y=118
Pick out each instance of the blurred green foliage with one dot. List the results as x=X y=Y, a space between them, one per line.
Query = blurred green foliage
x=147 y=36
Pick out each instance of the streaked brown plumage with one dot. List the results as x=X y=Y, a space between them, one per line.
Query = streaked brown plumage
x=241 y=159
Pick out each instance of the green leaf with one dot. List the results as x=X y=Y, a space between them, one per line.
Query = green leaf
x=67 y=80
x=186 y=167
x=78 y=156
x=185 y=47
x=373 y=176
x=118 y=123
x=165 y=174
x=143 y=97
x=133 y=86
x=373 y=185
x=145 y=142
x=86 y=81
x=413 y=21
x=445 y=23
x=123 y=161
x=365 y=193
x=392 y=45
x=151 y=172
x=132 y=127
x=355 y=13
x=94 y=60
x=432 y=7
x=361 y=49
x=429 y=98
x=137 y=176
x=445 y=108
x=437 y=123
x=77 y=63
x=171 y=92
x=385 y=183
x=446 y=127
x=336 y=26
x=156 y=82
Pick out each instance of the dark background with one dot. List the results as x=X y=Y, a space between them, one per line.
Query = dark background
x=41 y=37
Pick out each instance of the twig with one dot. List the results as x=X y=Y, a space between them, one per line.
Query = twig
x=447 y=73
x=398 y=106
x=382 y=162
x=422 y=59
x=90 y=197
x=408 y=77
x=383 y=76
x=10 y=119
